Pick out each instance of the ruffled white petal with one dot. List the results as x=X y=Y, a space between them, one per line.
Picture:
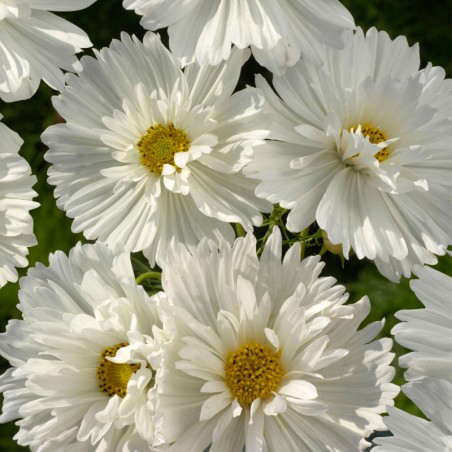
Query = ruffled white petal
x=97 y=167
x=279 y=32
x=389 y=200
x=37 y=45
x=16 y=200
x=434 y=398
x=73 y=310
x=428 y=331
x=336 y=380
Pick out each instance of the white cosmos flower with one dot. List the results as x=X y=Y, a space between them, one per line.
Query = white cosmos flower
x=63 y=387
x=36 y=45
x=16 y=194
x=266 y=354
x=279 y=32
x=411 y=433
x=362 y=147
x=428 y=331
x=151 y=154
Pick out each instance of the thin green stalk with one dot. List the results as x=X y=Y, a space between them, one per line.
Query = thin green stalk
x=303 y=235
x=148 y=275
x=264 y=240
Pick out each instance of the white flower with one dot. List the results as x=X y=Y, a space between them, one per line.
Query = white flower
x=267 y=355
x=151 y=154
x=64 y=387
x=16 y=194
x=411 y=433
x=428 y=331
x=279 y=32
x=362 y=147
x=36 y=44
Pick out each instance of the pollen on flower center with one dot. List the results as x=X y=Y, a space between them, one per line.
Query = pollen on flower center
x=375 y=136
x=114 y=377
x=253 y=371
x=159 y=144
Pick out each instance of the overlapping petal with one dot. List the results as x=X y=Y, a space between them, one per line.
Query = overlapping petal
x=335 y=380
x=279 y=32
x=359 y=146
x=74 y=311
x=97 y=168
x=16 y=200
x=36 y=45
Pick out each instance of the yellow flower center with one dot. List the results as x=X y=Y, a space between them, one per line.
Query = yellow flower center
x=375 y=136
x=159 y=144
x=114 y=377
x=253 y=371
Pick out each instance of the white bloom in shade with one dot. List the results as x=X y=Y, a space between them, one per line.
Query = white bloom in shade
x=428 y=331
x=36 y=45
x=362 y=147
x=279 y=32
x=411 y=433
x=151 y=154
x=16 y=200
x=84 y=356
x=266 y=354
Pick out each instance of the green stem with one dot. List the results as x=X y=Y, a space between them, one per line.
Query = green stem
x=148 y=275
x=138 y=265
x=239 y=230
x=303 y=235
x=264 y=240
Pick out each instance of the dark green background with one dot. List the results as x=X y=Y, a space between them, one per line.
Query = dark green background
x=427 y=22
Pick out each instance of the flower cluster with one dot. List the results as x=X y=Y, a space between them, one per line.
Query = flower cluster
x=196 y=317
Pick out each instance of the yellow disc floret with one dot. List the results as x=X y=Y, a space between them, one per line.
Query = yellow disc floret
x=114 y=377
x=253 y=371
x=375 y=136
x=159 y=144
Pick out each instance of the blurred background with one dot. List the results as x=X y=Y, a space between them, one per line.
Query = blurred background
x=423 y=21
